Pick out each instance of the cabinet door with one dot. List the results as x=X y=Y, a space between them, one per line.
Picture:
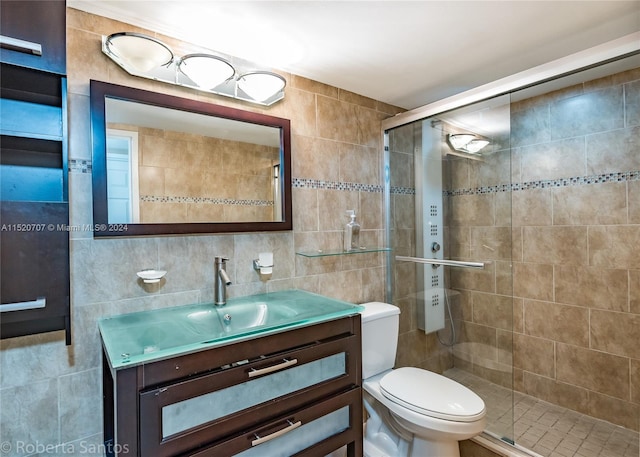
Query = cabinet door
x=34 y=247
x=181 y=416
x=29 y=25
x=318 y=429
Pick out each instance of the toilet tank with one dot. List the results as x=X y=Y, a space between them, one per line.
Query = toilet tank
x=380 y=324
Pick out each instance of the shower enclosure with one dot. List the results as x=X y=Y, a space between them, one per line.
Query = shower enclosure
x=517 y=266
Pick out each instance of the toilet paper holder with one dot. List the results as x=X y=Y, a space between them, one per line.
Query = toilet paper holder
x=264 y=263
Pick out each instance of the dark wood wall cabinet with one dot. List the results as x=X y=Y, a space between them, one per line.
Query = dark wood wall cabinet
x=34 y=205
x=33 y=33
x=297 y=392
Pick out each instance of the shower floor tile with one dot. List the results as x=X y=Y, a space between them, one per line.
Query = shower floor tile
x=545 y=428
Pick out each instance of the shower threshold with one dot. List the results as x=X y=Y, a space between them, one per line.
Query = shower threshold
x=502 y=447
x=545 y=429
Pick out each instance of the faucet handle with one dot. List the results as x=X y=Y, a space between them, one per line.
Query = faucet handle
x=221 y=259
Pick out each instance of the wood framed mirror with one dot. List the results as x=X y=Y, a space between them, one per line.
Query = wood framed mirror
x=165 y=165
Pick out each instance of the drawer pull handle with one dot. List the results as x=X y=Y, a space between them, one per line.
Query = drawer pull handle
x=280 y=366
x=41 y=302
x=290 y=427
x=15 y=44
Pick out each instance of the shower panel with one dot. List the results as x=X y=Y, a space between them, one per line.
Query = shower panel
x=430 y=224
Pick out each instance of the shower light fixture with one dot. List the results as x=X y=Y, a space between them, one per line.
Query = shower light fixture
x=148 y=57
x=467 y=142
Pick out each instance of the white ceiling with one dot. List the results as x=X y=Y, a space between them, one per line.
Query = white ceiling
x=406 y=53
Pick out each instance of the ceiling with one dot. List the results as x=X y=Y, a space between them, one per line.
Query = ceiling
x=406 y=53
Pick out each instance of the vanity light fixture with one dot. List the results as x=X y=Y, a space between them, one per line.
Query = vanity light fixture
x=206 y=70
x=147 y=57
x=139 y=51
x=467 y=142
x=260 y=85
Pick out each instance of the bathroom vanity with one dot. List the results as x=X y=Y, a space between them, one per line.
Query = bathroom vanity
x=276 y=374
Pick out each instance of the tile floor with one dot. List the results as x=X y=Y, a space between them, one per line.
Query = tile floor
x=545 y=428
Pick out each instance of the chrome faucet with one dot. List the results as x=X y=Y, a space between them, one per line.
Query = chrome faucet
x=221 y=281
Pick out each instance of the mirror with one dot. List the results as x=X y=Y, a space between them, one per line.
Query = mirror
x=165 y=165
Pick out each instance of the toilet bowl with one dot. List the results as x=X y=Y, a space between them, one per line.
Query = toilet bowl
x=415 y=412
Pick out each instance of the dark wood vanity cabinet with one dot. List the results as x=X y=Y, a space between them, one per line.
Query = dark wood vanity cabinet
x=298 y=391
x=33 y=34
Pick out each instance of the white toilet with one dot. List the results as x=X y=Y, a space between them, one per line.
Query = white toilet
x=412 y=412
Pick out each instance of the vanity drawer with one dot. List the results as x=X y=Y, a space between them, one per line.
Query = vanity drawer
x=316 y=430
x=179 y=416
x=189 y=365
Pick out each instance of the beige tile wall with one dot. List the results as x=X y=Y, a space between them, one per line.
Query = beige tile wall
x=51 y=393
x=576 y=253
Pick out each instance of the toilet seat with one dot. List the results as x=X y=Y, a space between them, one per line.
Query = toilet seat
x=445 y=399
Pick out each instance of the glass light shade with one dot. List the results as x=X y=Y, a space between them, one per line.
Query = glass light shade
x=459 y=141
x=474 y=146
x=467 y=142
x=261 y=85
x=207 y=71
x=141 y=52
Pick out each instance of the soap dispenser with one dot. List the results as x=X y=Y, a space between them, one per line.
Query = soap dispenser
x=351 y=233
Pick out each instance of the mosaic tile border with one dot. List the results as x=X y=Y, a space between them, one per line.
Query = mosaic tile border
x=550 y=183
x=304 y=183
x=84 y=166
x=211 y=201
x=79 y=166
x=627 y=176
x=403 y=190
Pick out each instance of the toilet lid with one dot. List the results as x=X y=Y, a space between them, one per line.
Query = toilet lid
x=431 y=394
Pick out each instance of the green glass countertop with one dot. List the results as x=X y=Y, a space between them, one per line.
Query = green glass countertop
x=136 y=338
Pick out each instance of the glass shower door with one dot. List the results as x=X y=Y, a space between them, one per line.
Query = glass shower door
x=450 y=227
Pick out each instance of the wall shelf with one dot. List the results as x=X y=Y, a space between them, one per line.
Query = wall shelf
x=326 y=253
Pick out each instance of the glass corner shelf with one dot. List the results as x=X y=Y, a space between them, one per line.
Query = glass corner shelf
x=326 y=253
